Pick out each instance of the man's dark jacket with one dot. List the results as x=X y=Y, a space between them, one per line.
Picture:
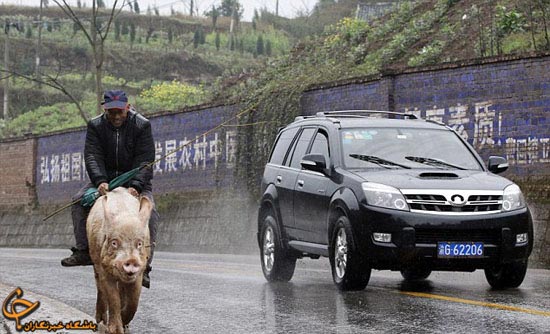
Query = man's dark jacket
x=111 y=151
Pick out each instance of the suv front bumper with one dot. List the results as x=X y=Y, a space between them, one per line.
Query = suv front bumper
x=415 y=237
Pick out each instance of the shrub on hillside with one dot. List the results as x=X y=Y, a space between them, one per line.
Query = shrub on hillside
x=170 y=96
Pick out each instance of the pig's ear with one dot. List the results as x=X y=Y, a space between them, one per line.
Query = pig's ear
x=145 y=209
x=109 y=215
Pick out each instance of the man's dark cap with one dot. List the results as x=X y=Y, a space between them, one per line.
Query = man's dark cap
x=114 y=99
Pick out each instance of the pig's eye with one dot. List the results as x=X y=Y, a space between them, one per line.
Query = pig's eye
x=139 y=244
x=114 y=243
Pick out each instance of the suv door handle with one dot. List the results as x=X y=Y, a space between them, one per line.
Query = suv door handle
x=300 y=183
x=279 y=179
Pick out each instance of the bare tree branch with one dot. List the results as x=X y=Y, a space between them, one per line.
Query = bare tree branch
x=97 y=43
x=72 y=15
x=52 y=82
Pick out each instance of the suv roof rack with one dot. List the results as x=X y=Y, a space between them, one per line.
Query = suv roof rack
x=358 y=113
x=354 y=114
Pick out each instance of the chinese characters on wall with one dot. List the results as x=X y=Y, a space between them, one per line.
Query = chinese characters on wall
x=482 y=126
x=205 y=153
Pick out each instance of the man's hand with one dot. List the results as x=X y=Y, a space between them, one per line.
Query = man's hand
x=133 y=192
x=103 y=188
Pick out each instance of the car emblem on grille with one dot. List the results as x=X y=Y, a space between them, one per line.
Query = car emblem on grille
x=457 y=200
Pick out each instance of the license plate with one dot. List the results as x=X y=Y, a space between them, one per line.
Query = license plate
x=459 y=249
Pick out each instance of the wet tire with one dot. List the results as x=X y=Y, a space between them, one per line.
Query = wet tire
x=349 y=270
x=277 y=264
x=506 y=276
x=415 y=274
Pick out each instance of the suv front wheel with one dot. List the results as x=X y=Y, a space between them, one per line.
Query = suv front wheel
x=349 y=270
x=277 y=265
x=415 y=274
x=505 y=276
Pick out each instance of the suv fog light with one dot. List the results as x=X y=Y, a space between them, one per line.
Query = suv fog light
x=382 y=237
x=521 y=239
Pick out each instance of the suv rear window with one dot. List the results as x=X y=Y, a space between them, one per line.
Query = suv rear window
x=282 y=145
x=301 y=147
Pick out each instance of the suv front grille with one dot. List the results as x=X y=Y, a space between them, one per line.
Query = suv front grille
x=430 y=236
x=454 y=202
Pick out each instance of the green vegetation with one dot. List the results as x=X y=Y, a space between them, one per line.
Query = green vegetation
x=166 y=63
x=170 y=96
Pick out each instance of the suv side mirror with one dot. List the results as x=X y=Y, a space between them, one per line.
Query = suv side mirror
x=497 y=164
x=314 y=162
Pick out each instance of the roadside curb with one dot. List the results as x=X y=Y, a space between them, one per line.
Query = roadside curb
x=50 y=310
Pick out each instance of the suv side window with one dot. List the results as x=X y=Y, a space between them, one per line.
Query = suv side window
x=301 y=147
x=320 y=145
x=282 y=145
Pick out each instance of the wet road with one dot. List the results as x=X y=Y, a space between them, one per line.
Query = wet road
x=197 y=293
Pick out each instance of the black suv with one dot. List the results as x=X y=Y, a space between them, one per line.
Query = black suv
x=392 y=192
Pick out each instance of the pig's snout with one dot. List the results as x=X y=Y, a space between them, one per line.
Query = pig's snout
x=131 y=267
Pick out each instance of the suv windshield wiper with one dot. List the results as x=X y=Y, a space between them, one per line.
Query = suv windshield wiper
x=376 y=160
x=433 y=162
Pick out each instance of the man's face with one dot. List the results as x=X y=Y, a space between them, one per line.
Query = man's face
x=116 y=116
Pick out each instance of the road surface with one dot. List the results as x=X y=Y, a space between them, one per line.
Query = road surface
x=210 y=293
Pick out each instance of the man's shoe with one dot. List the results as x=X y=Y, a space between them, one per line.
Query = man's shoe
x=78 y=258
x=146 y=281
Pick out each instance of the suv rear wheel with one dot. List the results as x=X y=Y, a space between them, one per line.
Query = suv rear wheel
x=277 y=265
x=505 y=276
x=349 y=270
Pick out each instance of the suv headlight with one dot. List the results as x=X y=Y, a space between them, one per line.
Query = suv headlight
x=384 y=196
x=512 y=198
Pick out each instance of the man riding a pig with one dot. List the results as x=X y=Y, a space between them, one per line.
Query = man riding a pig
x=117 y=141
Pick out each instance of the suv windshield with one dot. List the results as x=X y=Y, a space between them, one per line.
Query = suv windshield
x=405 y=148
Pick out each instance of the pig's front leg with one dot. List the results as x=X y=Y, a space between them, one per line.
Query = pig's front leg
x=113 y=299
x=130 y=293
x=101 y=307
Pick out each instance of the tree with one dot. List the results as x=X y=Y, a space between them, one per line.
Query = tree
x=217 y=41
x=157 y=11
x=132 y=33
x=268 y=50
x=117 y=30
x=202 y=36
x=136 y=7
x=196 y=38
x=260 y=45
x=170 y=35
x=125 y=30
x=49 y=27
x=227 y=6
x=150 y=32
x=76 y=28
x=241 y=46
x=78 y=4
x=215 y=14
x=232 y=43
x=28 y=33
x=96 y=34
x=100 y=4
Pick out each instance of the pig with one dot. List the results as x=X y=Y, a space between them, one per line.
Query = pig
x=118 y=236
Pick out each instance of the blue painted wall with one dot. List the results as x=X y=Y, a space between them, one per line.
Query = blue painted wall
x=203 y=165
